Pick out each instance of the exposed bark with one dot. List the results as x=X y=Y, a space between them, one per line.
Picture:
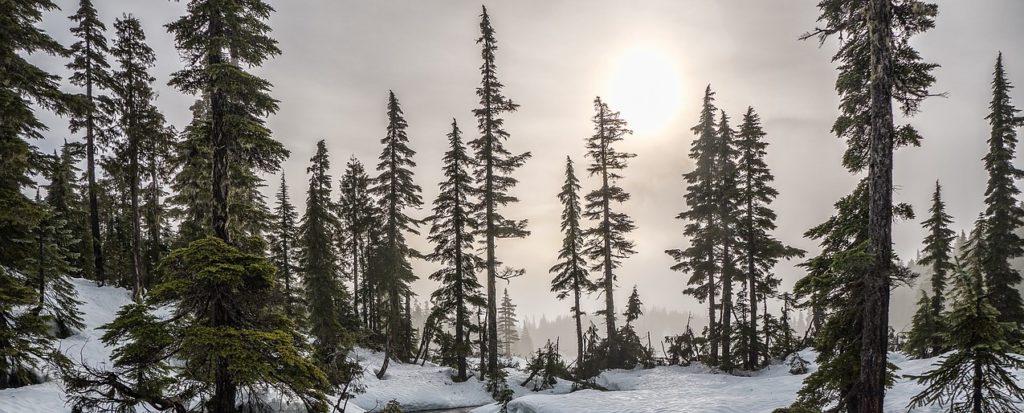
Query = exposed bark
x=870 y=387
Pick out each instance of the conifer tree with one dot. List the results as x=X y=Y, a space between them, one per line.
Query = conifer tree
x=938 y=248
x=254 y=344
x=453 y=224
x=64 y=196
x=571 y=273
x=219 y=39
x=758 y=250
x=138 y=121
x=700 y=258
x=727 y=194
x=607 y=244
x=507 y=325
x=634 y=308
x=396 y=193
x=493 y=173
x=877 y=65
x=357 y=216
x=326 y=297
x=1003 y=211
x=53 y=262
x=283 y=245
x=91 y=72
x=925 y=330
x=24 y=89
x=978 y=377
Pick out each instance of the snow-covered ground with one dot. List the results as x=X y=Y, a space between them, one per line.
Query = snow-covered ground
x=663 y=389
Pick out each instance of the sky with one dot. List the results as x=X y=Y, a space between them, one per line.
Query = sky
x=649 y=59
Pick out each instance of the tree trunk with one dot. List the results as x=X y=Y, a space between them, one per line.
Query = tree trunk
x=579 y=335
x=752 y=356
x=609 y=276
x=726 y=309
x=133 y=193
x=870 y=387
x=90 y=171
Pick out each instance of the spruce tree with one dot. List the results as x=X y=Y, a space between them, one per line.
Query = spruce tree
x=453 y=224
x=284 y=240
x=326 y=297
x=138 y=121
x=925 y=328
x=507 y=325
x=396 y=193
x=758 y=250
x=24 y=89
x=357 y=213
x=64 y=196
x=255 y=344
x=219 y=39
x=607 y=244
x=571 y=274
x=1002 y=208
x=700 y=258
x=493 y=173
x=727 y=202
x=91 y=72
x=978 y=376
x=938 y=248
x=53 y=262
x=877 y=65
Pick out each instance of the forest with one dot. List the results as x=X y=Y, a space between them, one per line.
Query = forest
x=153 y=266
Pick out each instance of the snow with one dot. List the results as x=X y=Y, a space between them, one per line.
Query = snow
x=430 y=387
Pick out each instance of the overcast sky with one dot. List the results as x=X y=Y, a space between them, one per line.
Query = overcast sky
x=341 y=57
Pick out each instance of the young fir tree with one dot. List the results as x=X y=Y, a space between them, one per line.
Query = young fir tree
x=283 y=241
x=91 y=72
x=64 y=196
x=325 y=295
x=758 y=251
x=507 y=325
x=571 y=274
x=978 y=377
x=357 y=214
x=877 y=65
x=727 y=202
x=493 y=173
x=925 y=327
x=138 y=121
x=223 y=331
x=606 y=244
x=25 y=89
x=938 y=248
x=396 y=193
x=219 y=39
x=453 y=224
x=53 y=262
x=1003 y=211
x=700 y=258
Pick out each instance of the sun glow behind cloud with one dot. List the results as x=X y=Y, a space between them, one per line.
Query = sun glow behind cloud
x=646 y=86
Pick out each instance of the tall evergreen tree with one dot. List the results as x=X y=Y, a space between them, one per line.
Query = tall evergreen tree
x=758 y=251
x=453 y=224
x=218 y=39
x=283 y=245
x=938 y=248
x=357 y=214
x=396 y=192
x=493 y=173
x=138 y=121
x=700 y=258
x=326 y=296
x=24 y=88
x=1003 y=210
x=607 y=245
x=571 y=272
x=56 y=253
x=877 y=65
x=64 y=196
x=727 y=202
x=507 y=325
x=91 y=72
x=978 y=376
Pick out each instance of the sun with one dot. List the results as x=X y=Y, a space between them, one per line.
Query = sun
x=645 y=86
